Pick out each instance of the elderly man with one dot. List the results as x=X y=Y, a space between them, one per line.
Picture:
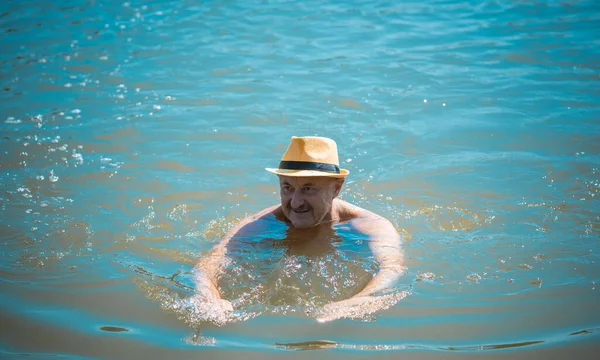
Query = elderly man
x=310 y=181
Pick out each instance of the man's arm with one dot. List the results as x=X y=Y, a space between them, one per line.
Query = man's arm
x=210 y=266
x=385 y=244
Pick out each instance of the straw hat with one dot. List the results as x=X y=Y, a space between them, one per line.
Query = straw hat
x=310 y=156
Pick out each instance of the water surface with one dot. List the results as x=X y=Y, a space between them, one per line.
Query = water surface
x=133 y=135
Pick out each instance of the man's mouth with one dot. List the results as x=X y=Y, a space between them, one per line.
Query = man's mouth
x=300 y=211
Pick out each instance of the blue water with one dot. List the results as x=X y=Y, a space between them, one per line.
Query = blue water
x=133 y=135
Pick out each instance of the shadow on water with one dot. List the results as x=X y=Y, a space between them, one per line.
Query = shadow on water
x=113 y=329
x=328 y=344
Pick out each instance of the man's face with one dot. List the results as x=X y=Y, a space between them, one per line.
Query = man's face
x=307 y=201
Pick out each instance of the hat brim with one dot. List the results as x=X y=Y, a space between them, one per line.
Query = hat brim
x=308 y=173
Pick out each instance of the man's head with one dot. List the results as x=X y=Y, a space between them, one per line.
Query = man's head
x=310 y=179
x=307 y=201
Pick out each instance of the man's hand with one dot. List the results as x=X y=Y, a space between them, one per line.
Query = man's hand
x=211 y=309
x=207 y=304
x=358 y=307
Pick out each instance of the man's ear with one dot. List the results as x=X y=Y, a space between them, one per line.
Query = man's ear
x=338 y=186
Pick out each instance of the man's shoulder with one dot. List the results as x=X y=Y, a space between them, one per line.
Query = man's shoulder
x=372 y=224
x=271 y=211
x=252 y=221
x=350 y=211
x=347 y=211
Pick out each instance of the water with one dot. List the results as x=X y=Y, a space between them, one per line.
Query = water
x=133 y=135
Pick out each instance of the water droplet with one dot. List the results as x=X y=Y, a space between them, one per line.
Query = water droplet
x=52 y=177
x=474 y=277
x=537 y=281
x=12 y=120
x=426 y=276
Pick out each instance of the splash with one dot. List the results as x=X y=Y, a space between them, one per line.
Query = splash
x=196 y=310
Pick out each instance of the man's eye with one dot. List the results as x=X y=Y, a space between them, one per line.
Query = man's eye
x=308 y=189
x=286 y=188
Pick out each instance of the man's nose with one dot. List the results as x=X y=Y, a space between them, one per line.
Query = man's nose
x=297 y=200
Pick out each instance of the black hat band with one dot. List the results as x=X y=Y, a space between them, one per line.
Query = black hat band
x=309 y=165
